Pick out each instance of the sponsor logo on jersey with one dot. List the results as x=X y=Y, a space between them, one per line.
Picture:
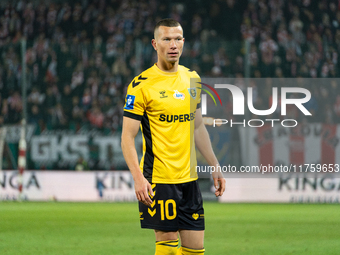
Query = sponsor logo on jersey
x=177 y=118
x=192 y=92
x=130 y=100
x=163 y=94
x=179 y=95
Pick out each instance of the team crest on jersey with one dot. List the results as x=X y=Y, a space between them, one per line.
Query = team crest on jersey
x=130 y=100
x=179 y=95
x=192 y=92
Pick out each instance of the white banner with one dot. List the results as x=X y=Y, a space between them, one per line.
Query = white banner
x=68 y=148
x=69 y=186
x=63 y=149
x=13 y=133
x=119 y=186
x=282 y=190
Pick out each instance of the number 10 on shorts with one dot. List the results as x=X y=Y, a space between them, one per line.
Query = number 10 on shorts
x=166 y=206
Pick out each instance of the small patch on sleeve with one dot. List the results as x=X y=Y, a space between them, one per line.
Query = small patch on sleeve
x=130 y=100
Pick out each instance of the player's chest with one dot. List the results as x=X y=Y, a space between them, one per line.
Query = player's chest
x=172 y=99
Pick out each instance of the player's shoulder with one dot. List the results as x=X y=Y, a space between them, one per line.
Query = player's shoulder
x=141 y=80
x=189 y=72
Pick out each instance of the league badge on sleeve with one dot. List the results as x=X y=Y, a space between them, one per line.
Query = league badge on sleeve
x=130 y=100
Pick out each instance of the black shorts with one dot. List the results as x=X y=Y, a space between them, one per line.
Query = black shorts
x=174 y=207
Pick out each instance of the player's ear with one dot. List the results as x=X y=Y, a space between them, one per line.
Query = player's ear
x=153 y=42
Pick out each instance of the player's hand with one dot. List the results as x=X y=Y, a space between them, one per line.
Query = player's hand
x=219 y=183
x=142 y=187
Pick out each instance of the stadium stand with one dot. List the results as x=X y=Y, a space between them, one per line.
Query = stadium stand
x=82 y=55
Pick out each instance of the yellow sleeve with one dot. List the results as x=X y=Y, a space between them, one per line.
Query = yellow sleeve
x=135 y=104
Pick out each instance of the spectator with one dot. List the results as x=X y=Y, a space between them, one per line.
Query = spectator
x=81 y=165
x=14 y=108
x=96 y=117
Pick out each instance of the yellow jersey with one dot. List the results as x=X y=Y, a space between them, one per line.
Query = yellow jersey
x=166 y=103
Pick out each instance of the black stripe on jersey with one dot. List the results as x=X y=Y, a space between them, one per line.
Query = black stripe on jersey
x=142 y=78
x=198 y=106
x=134 y=84
x=132 y=115
x=148 y=157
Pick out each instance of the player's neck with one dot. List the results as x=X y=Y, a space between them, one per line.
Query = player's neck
x=167 y=67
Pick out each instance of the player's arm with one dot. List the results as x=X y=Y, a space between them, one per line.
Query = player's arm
x=203 y=144
x=142 y=186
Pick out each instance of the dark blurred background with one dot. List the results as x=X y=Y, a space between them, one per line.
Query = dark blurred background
x=81 y=56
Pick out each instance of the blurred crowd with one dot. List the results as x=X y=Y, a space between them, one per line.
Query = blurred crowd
x=297 y=39
x=81 y=55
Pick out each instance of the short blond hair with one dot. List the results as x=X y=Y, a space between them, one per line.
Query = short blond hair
x=166 y=23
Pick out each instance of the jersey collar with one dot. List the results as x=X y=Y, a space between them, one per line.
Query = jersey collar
x=165 y=73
